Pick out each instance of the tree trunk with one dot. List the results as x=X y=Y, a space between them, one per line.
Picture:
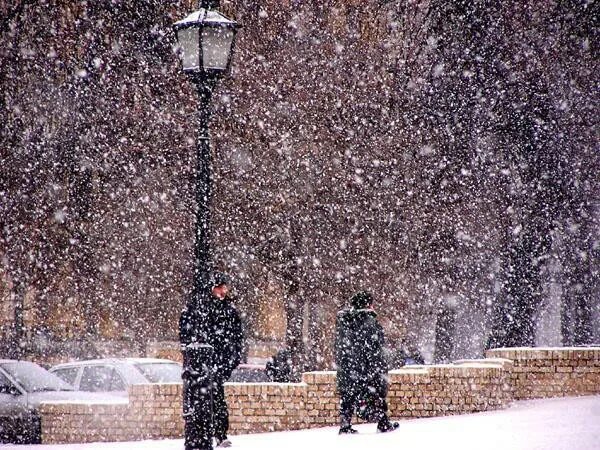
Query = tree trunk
x=579 y=287
x=16 y=348
x=444 y=334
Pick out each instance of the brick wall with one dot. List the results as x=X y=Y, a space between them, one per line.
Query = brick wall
x=322 y=401
x=552 y=372
x=260 y=407
x=449 y=389
x=72 y=422
x=154 y=411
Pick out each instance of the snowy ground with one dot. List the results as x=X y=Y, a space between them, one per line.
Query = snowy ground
x=555 y=424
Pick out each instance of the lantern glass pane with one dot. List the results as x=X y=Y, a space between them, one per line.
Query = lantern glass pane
x=189 y=42
x=216 y=46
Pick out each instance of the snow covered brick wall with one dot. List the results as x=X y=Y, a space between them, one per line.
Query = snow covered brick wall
x=440 y=390
x=153 y=411
x=552 y=372
x=322 y=399
x=158 y=409
x=259 y=407
x=73 y=422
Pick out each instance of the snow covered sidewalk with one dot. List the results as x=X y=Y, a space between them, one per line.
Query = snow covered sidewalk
x=553 y=424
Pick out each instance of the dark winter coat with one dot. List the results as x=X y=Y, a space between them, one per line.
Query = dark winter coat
x=359 y=351
x=279 y=368
x=216 y=322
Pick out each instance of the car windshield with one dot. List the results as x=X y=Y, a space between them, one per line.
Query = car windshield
x=34 y=378
x=160 y=372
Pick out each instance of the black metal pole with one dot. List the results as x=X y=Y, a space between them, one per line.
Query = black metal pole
x=198 y=355
x=198 y=396
x=202 y=251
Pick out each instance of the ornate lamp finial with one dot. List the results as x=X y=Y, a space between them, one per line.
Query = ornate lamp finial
x=208 y=4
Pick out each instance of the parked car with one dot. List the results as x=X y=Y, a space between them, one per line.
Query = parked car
x=115 y=374
x=249 y=373
x=402 y=356
x=23 y=386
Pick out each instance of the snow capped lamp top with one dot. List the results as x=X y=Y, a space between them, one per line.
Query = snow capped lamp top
x=206 y=40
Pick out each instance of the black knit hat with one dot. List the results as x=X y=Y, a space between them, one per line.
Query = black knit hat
x=361 y=300
x=219 y=279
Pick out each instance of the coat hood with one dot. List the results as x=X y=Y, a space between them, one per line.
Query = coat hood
x=361 y=300
x=353 y=314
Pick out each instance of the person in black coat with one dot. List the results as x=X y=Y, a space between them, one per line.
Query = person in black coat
x=212 y=319
x=361 y=366
x=279 y=368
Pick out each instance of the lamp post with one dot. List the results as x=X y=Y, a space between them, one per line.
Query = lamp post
x=206 y=40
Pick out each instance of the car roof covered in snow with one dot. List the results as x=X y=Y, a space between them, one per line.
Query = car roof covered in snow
x=4 y=361
x=116 y=361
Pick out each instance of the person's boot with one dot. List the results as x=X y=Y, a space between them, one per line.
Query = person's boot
x=223 y=443
x=387 y=426
x=347 y=429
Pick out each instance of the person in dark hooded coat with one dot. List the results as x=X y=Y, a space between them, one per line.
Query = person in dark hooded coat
x=361 y=366
x=279 y=367
x=213 y=320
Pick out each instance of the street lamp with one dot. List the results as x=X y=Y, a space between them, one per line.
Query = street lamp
x=206 y=40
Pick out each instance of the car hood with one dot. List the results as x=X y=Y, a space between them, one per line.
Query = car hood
x=35 y=398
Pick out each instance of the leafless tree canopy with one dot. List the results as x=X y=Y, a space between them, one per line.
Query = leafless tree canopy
x=441 y=154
